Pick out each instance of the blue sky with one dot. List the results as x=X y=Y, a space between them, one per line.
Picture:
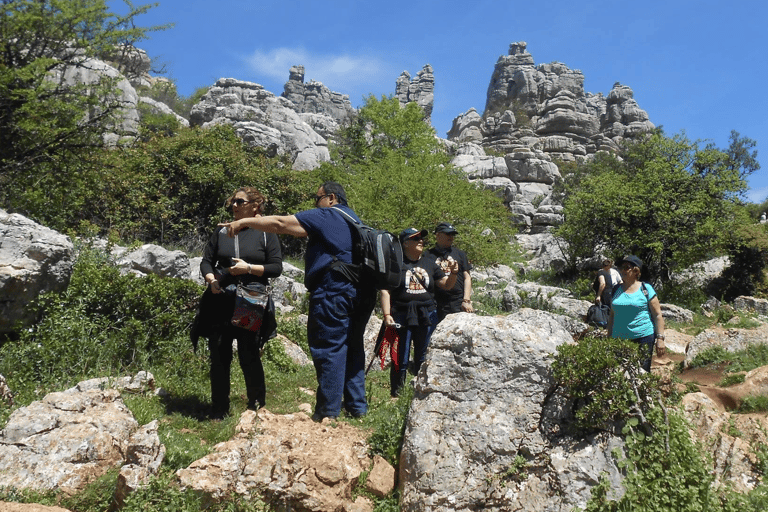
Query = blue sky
x=698 y=66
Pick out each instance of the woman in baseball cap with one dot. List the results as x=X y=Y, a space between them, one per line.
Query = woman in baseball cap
x=636 y=311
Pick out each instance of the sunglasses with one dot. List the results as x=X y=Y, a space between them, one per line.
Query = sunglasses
x=627 y=266
x=240 y=202
x=415 y=239
x=320 y=198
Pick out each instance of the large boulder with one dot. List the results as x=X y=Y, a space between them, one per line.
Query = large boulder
x=291 y=460
x=33 y=260
x=482 y=407
x=71 y=438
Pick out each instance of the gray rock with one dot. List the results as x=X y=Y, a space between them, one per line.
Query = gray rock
x=420 y=90
x=261 y=119
x=153 y=259
x=732 y=340
x=161 y=108
x=33 y=260
x=67 y=440
x=316 y=98
x=481 y=400
x=751 y=304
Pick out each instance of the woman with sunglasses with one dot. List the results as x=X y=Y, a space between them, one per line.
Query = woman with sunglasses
x=251 y=256
x=411 y=307
x=636 y=311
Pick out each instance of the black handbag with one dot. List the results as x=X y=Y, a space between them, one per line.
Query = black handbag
x=598 y=315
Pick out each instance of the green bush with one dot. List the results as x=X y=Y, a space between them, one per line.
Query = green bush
x=603 y=378
x=104 y=324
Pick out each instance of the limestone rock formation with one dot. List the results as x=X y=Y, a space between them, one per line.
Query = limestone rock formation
x=420 y=89
x=261 y=119
x=481 y=404
x=535 y=115
x=33 y=260
x=729 y=339
x=161 y=108
x=288 y=459
x=154 y=259
x=91 y=71
x=316 y=98
x=71 y=438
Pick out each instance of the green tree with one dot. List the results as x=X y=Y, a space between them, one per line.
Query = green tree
x=663 y=199
x=47 y=124
x=397 y=175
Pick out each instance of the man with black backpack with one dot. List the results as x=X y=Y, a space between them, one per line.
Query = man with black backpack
x=339 y=308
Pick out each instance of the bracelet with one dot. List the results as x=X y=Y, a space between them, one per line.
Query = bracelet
x=249 y=268
x=387 y=314
x=660 y=337
x=467 y=301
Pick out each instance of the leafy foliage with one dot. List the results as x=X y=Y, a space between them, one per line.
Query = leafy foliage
x=603 y=378
x=47 y=124
x=664 y=199
x=397 y=175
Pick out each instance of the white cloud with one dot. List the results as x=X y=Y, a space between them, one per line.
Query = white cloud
x=343 y=73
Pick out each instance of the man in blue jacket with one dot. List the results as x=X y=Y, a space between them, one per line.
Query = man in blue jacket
x=338 y=310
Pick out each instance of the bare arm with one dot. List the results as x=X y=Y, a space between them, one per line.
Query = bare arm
x=280 y=224
x=658 y=322
x=601 y=279
x=386 y=307
x=448 y=281
x=466 y=304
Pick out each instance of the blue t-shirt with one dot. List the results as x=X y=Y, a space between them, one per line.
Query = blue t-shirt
x=329 y=236
x=632 y=314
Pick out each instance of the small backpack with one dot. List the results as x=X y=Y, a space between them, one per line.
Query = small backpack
x=377 y=257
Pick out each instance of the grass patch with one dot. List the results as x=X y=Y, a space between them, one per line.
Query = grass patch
x=755 y=403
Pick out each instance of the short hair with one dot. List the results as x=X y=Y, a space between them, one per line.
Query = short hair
x=331 y=187
x=607 y=262
x=253 y=195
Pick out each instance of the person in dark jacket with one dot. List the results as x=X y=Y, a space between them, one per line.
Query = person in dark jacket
x=459 y=297
x=411 y=307
x=251 y=256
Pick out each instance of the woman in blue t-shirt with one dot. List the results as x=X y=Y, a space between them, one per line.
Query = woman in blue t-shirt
x=636 y=311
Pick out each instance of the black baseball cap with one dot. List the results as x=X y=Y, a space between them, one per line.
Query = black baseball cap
x=446 y=228
x=632 y=260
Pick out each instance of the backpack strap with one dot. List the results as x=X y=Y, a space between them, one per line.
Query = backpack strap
x=350 y=271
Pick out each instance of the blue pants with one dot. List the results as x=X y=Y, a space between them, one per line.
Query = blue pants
x=416 y=336
x=338 y=315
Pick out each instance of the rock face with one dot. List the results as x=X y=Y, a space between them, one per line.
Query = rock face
x=536 y=114
x=289 y=460
x=315 y=98
x=261 y=119
x=33 y=260
x=71 y=438
x=420 y=89
x=482 y=406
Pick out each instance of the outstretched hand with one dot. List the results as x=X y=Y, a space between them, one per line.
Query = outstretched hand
x=233 y=227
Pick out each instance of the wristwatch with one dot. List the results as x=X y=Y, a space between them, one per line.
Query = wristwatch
x=660 y=337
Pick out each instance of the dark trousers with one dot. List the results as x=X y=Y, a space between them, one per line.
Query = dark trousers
x=646 y=343
x=248 y=354
x=417 y=336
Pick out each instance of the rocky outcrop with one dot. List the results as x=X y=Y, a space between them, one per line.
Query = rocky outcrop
x=315 y=98
x=33 y=260
x=123 y=96
x=483 y=428
x=154 y=259
x=546 y=106
x=729 y=339
x=71 y=438
x=536 y=115
x=157 y=107
x=291 y=460
x=420 y=89
x=261 y=119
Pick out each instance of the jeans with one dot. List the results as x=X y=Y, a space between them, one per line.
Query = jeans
x=416 y=336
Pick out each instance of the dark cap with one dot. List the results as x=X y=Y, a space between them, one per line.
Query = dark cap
x=631 y=259
x=446 y=228
x=411 y=233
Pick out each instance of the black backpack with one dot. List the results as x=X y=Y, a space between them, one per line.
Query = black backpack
x=377 y=257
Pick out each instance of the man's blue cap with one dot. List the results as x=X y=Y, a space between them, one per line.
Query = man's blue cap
x=446 y=228
x=412 y=232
